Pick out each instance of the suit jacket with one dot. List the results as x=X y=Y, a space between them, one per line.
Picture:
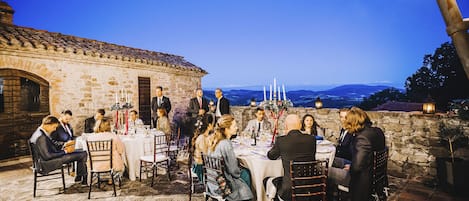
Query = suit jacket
x=61 y=135
x=295 y=146
x=224 y=106
x=89 y=125
x=366 y=141
x=194 y=106
x=166 y=104
x=48 y=155
x=344 y=148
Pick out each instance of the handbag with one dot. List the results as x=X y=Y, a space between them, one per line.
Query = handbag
x=183 y=157
x=224 y=186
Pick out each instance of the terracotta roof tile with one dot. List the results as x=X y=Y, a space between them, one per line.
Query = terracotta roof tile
x=28 y=38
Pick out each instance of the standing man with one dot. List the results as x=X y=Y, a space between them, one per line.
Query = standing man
x=64 y=131
x=198 y=106
x=223 y=104
x=295 y=146
x=159 y=101
x=50 y=157
x=89 y=123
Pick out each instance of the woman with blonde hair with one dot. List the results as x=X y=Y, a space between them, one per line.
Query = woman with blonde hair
x=367 y=140
x=102 y=131
x=221 y=147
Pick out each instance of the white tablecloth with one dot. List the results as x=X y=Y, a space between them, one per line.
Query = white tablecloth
x=134 y=149
x=255 y=159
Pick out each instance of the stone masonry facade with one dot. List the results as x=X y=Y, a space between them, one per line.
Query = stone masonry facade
x=412 y=138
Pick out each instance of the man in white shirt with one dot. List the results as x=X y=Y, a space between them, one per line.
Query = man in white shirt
x=258 y=125
x=223 y=104
x=134 y=121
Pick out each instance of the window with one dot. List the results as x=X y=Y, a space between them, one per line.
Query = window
x=29 y=93
x=2 y=97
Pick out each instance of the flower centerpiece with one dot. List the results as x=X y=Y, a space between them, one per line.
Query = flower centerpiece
x=276 y=105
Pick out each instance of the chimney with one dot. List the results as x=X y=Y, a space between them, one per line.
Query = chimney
x=6 y=13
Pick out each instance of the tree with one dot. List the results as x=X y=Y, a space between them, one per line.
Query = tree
x=442 y=77
x=378 y=98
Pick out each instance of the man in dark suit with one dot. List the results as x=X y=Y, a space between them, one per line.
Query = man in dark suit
x=64 y=131
x=52 y=158
x=159 y=101
x=198 y=106
x=222 y=105
x=295 y=146
x=339 y=172
x=90 y=122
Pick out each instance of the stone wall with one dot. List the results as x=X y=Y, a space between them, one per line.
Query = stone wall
x=412 y=137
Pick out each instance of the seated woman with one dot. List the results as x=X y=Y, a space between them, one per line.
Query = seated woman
x=163 y=122
x=200 y=143
x=102 y=131
x=221 y=146
x=311 y=127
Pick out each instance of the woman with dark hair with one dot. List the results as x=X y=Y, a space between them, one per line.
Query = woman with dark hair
x=310 y=126
x=200 y=143
x=221 y=146
x=367 y=140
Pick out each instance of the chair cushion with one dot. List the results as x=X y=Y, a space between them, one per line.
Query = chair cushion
x=149 y=158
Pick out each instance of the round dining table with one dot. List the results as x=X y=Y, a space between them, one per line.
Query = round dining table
x=255 y=159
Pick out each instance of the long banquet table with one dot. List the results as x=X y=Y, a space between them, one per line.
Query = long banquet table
x=255 y=159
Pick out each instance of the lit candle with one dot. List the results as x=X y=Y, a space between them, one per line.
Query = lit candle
x=117 y=100
x=126 y=97
x=279 y=97
x=284 y=94
x=122 y=93
x=275 y=87
x=270 y=92
x=264 y=94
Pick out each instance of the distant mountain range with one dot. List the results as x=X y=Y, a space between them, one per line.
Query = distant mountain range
x=336 y=97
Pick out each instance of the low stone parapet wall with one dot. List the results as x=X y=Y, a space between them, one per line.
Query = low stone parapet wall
x=412 y=137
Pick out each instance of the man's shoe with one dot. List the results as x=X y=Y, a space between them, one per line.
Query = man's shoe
x=77 y=179
x=84 y=182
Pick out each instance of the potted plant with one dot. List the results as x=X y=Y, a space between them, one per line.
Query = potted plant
x=452 y=171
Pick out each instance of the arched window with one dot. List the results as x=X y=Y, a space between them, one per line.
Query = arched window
x=29 y=93
x=2 y=97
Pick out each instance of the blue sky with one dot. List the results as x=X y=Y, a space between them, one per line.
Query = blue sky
x=249 y=42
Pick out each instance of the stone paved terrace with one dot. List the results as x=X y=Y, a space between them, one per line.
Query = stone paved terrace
x=16 y=184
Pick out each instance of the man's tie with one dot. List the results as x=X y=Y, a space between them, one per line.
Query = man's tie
x=200 y=103
x=258 y=127
x=159 y=102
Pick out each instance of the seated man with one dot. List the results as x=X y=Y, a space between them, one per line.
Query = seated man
x=295 y=146
x=64 y=131
x=89 y=123
x=134 y=121
x=52 y=158
x=258 y=125
x=339 y=172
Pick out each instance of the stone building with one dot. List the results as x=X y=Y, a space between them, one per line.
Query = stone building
x=44 y=73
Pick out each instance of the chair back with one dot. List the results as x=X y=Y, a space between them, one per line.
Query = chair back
x=213 y=167
x=34 y=156
x=100 y=152
x=379 y=172
x=160 y=146
x=308 y=179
